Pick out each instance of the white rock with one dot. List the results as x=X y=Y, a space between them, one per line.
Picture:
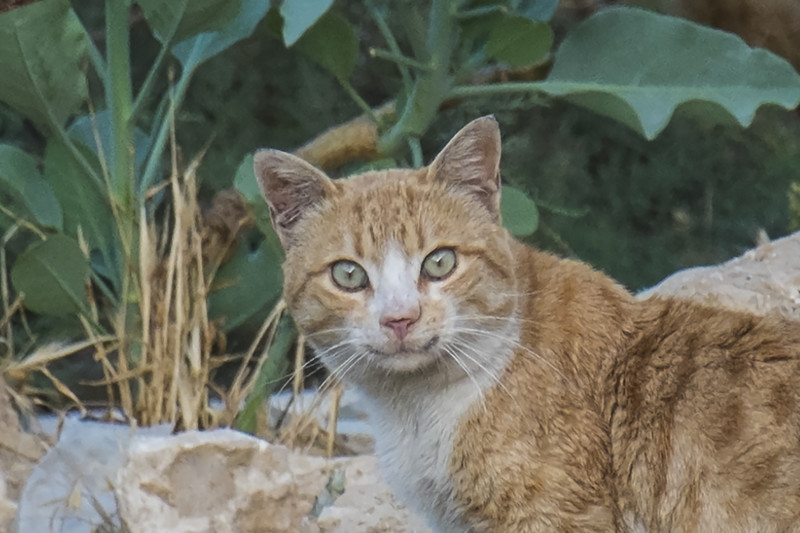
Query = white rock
x=216 y=481
x=69 y=490
x=763 y=280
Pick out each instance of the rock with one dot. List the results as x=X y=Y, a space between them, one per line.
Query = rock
x=8 y=507
x=19 y=450
x=68 y=491
x=367 y=505
x=216 y=481
x=763 y=280
x=223 y=481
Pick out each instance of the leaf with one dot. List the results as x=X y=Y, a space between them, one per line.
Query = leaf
x=299 y=16
x=538 y=10
x=19 y=175
x=245 y=182
x=519 y=41
x=195 y=50
x=638 y=67
x=332 y=44
x=89 y=129
x=84 y=203
x=270 y=374
x=53 y=276
x=190 y=16
x=245 y=284
x=519 y=213
x=42 y=49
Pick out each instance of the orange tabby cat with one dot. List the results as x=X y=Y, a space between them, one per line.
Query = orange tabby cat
x=517 y=392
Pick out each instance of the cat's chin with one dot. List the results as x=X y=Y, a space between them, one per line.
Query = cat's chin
x=403 y=362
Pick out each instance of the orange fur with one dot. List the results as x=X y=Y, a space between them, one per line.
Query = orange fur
x=533 y=393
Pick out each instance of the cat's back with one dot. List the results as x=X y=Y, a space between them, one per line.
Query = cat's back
x=706 y=420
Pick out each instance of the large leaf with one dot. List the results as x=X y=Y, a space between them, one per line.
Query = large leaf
x=88 y=130
x=42 y=48
x=84 y=203
x=299 y=16
x=638 y=67
x=519 y=213
x=188 y=17
x=20 y=177
x=245 y=284
x=53 y=276
x=246 y=184
x=332 y=44
x=193 y=51
x=519 y=41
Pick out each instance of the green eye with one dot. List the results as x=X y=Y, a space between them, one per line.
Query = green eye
x=349 y=276
x=439 y=263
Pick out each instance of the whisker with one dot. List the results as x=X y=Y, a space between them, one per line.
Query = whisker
x=465 y=349
x=463 y=367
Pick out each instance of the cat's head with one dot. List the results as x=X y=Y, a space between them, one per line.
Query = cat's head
x=398 y=272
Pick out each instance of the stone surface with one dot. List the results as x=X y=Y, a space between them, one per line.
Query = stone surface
x=68 y=491
x=763 y=280
x=223 y=481
x=367 y=505
x=216 y=481
x=19 y=452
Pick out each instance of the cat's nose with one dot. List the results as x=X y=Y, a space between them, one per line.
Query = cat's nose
x=400 y=325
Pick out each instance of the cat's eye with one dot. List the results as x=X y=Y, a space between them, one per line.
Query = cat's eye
x=439 y=263
x=349 y=276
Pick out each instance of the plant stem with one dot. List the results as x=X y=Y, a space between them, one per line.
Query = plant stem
x=365 y=107
x=399 y=59
x=121 y=95
x=416 y=152
x=391 y=42
x=432 y=86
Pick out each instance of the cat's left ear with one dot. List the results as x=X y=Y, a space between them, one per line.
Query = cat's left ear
x=292 y=188
x=471 y=162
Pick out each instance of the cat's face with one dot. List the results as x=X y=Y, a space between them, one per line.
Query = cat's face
x=398 y=271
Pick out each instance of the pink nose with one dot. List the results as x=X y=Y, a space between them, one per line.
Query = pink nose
x=400 y=326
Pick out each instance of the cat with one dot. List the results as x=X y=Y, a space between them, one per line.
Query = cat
x=513 y=391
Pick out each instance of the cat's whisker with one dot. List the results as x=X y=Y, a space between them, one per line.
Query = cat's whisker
x=448 y=350
x=465 y=349
x=510 y=342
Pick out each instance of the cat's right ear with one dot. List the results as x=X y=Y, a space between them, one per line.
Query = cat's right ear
x=291 y=187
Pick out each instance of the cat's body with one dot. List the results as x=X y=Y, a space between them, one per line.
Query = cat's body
x=517 y=392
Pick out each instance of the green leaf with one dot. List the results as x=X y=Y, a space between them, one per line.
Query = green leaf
x=20 y=177
x=53 y=276
x=332 y=44
x=519 y=213
x=245 y=182
x=195 y=50
x=299 y=16
x=539 y=10
x=270 y=374
x=188 y=17
x=84 y=204
x=519 y=41
x=89 y=129
x=638 y=67
x=245 y=284
x=42 y=49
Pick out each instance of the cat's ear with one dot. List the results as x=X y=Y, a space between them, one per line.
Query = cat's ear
x=291 y=187
x=471 y=162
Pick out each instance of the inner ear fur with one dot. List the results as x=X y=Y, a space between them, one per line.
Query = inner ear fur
x=292 y=188
x=471 y=162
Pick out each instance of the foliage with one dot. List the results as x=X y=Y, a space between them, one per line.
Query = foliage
x=84 y=214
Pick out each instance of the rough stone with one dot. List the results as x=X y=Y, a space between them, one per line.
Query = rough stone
x=68 y=491
x=216 y=481
x=764 y=280
x=367 y=505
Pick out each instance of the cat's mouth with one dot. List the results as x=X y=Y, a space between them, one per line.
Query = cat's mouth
x=407 y=358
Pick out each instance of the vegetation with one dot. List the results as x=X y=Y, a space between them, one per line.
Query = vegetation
x=110 y=113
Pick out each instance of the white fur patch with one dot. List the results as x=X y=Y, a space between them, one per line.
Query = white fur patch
x=395 y=282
